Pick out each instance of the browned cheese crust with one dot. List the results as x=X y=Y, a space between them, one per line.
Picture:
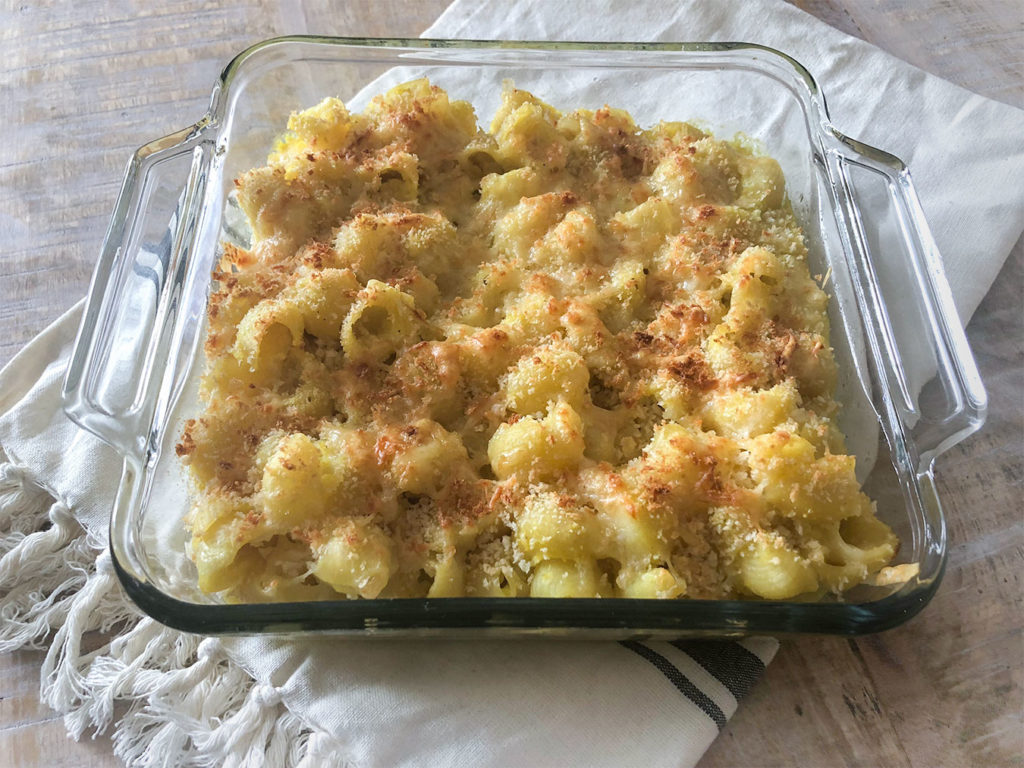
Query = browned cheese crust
x=563 y=357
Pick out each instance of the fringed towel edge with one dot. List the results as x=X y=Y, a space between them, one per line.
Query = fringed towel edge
x=171 y=698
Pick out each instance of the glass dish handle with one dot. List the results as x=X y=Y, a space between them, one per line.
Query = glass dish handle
x=912 y=323
x=133 y=296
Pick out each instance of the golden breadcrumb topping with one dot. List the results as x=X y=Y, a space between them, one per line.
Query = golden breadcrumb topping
x=563 y=357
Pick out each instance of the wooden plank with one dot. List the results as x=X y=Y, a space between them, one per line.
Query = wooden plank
x=974 y=43
x=31 y=734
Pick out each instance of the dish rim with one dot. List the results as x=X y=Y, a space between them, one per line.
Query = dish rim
x=526 y=615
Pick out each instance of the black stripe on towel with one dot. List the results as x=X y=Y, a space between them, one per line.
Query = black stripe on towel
x=679 y=680
x=730 y=663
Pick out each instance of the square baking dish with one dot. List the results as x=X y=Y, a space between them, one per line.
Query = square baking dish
x=909 y=388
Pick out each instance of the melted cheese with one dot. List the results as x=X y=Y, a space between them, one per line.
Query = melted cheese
x=563 y=357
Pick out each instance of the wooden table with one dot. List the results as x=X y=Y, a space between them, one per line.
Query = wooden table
x=83 y=84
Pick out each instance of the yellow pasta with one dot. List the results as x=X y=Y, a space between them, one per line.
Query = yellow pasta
x=562 y=357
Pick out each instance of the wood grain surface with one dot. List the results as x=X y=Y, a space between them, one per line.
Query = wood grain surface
x=83 y=84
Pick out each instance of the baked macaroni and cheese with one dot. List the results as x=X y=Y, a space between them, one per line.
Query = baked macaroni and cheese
x=566 y=357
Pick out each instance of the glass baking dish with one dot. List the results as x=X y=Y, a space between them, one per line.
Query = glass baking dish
x=909 y=389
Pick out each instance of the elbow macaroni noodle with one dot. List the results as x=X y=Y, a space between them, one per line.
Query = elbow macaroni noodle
x=567 y=357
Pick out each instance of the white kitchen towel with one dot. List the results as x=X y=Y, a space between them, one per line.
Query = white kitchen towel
x=328 y=701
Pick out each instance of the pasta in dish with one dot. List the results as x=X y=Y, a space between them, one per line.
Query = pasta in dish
x=565 y=357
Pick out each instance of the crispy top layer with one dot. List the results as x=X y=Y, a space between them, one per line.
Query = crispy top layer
x=562 y=357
